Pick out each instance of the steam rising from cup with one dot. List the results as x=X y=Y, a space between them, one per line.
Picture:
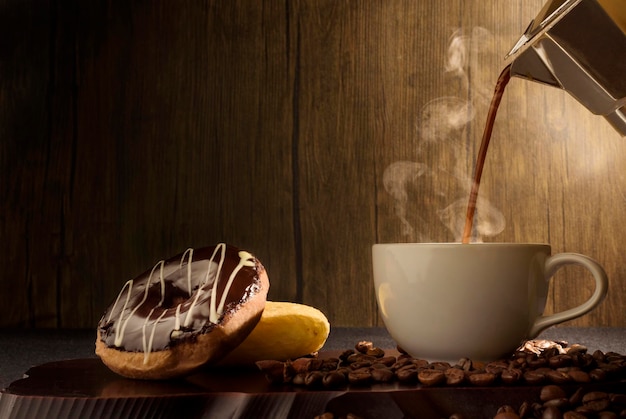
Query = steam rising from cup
x=439 y=185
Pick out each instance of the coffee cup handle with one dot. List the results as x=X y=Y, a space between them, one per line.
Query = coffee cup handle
x=553 y=263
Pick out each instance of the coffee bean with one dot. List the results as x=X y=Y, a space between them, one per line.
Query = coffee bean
x=584 y=410
x=359 y=377
x=329 y=364
x=613 y=356
x=507 y=415
x=387 y=360
x=550 y=352
x=382 y=375
x=618 y=400
x=363 y=346
x=611 y=369
x=496 y=367
x=298 y=379
x=346 y=354
x=583 y=360
x=375 y=352
x=536 y=409
x=537 y=362
x=524 y=409
x=273 y=370
x=607 y=415
x=431 y=377
x=571 y=414
x=313 y=378
x=598 y=355
x=505 y=409
x=551 y=412
x=550 y=392
x=560 y=361
x=621 y=367
x=596 y=401
x=482 y=379
x=519 y=363
x=598 y=374
x=506 y=412
x=300 y=365
x=401 y=362
x=577 y=398
x=440 y=365
x=576 y=349
x=420 y=363
x=560 y=404
x=579 y=376
x=558 y=377
x=334 y=379
x=533 y=377
x=360 y=364
x=360 y=370
x=511 y=375
x=378 y=366
x=358 y=357
x=407 y=375
x=465 y=364
x=344 y=370
x=407 y=367
x=454 y=376
x=316 y=364
x=478 y=365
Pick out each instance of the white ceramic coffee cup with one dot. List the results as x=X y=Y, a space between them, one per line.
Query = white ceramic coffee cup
x=446 y=301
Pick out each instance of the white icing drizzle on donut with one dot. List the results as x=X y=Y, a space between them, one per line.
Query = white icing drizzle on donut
x=208 y=284
x=120 y=335
x=245 y=259
x=180 y=266
x=213 y=319
x=128 y=284
x=177 y=318
x=147 y=347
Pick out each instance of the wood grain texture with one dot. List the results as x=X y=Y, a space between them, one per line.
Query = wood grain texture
x=300 y=130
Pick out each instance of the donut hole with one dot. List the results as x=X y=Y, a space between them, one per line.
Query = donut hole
x=174 y=296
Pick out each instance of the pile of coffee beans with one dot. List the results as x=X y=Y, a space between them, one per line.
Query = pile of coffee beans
x=556 y=369
x=367 y=365
x=555 y=403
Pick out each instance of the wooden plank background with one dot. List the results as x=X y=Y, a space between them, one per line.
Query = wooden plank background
x=131 y=130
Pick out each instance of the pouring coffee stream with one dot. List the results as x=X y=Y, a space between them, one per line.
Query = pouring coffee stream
x=503 y=80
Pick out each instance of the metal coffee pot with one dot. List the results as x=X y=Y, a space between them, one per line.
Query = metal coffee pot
x=579 y=46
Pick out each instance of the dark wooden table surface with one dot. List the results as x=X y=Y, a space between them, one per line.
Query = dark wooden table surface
x=23 y=349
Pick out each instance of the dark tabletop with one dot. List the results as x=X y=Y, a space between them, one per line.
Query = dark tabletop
x=23 y=349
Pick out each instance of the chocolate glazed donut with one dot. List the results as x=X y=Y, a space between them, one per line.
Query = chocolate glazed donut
x=187 y=311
